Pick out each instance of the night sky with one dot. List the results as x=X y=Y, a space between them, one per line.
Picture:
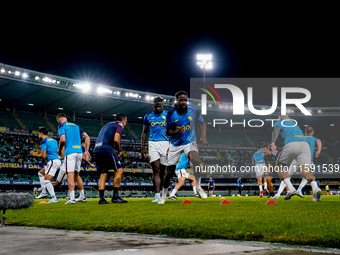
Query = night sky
x=157 y=53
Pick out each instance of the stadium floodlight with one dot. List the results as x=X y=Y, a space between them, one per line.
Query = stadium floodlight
x=130 y=94
x=102 y=90
x=85 y=87
x=24 y=75
x=17 y=73
x=204 y=61
x=3 y=70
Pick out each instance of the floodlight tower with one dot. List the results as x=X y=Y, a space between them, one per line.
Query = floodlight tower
x=204 y=61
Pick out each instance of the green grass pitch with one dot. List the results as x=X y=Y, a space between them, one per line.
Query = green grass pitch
x=298 y=221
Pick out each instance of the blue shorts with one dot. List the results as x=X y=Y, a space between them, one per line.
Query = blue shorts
x=106 y=161
x=211 y=188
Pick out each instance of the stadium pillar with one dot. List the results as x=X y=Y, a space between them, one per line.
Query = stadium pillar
x=101 y=120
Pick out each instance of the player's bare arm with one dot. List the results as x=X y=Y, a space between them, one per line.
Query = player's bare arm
x=61 y=143
x=275 y=135
x=87 y=147
x=171 y=132
x=203 y=134
x=319 y=145
x=36 y=154
x=117 y=144
x=144 y=136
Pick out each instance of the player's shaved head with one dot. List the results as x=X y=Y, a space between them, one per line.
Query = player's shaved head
x=61 y=116
x=309 y=130
x=158 y=100
x=284 y=117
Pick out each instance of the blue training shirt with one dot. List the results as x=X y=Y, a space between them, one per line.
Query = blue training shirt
x=174 y=121
x=73 y=135
x=239 y=182
x=312 y=141
x=105 y=140
x=211 y=183
x=290 y=131
x=51 y=147
x=156 y=123
x=258 y=157
x=183 y=163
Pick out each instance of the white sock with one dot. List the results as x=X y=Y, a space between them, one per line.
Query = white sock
x=314 y=185
x=173 y=192
x=157 y=194
x=165 y=192
x=260 y=186
x=265 y=185
x=302 y=184
x=42 y=182
x=81 y=193
x=281 y=188
x=72 y=197
x=198 y=182
x=289 y=184
x=50 y=188
x=195 y=189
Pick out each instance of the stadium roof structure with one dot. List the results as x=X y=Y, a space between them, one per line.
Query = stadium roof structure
x=32 y=90
x=35 y=91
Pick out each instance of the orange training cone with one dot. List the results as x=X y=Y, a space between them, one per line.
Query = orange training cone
x=222 y=198
x=43 y=202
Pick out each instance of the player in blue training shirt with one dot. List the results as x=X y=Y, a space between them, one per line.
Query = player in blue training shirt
x=70 y=138
x=239 y=186
x=180 y=126
x=49 y=149
x=259 y=164
x=182 y=174
x=296 y=148
x=211 y=186
x=158 y=143
x=107 y=151
x=309 y=136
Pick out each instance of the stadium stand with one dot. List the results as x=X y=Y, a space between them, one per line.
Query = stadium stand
x=7 y=119
x=32 y=121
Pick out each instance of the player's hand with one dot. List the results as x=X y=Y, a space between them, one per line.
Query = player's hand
x=144 y=152
x=181 y=130
x=317 y=154
x=92 y=165
x=119 y=154
x=273 y=146
x=87 y=156
x=33 y=153
x=204 y=141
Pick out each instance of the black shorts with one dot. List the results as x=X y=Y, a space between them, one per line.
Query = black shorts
x=106 y=161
